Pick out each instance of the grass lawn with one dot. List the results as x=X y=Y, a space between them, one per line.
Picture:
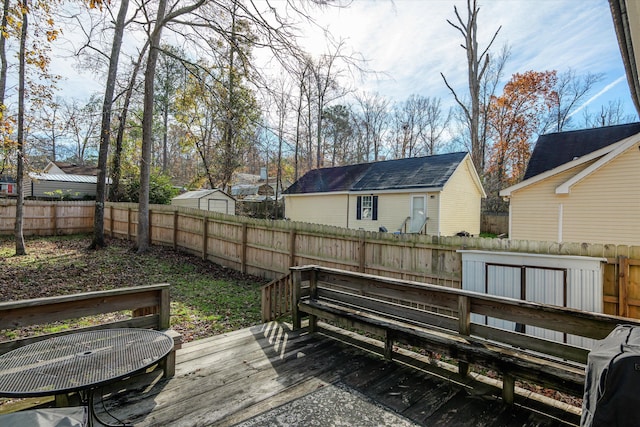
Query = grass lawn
x=206 y=298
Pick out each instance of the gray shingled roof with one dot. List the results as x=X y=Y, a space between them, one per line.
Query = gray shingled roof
x=555 y=149
x=416 y=172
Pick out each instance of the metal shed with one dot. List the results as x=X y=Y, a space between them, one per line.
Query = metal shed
x=566 y=281
x=43 y=185
x=214 y=200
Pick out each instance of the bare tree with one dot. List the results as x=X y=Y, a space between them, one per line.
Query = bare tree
x=570 y=90
x=169 y=79
x=372 y=123
x=51 y=126
x=147 y=128
x=155 y=35
x=116 y=162
x=301 y=74
x=337 y=130
x=611 y=114
x=105 y=127
x=282 y=106
x=477 y=63
x=436 y=123
x=82 y=126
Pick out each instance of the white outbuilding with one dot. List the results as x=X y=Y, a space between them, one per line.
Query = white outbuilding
x=214 y=200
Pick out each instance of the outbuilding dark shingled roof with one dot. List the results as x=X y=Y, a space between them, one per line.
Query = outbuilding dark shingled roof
x=555 y=149
x=416 y=172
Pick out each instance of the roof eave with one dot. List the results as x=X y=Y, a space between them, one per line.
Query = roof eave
x=564 y=167
x=620 y=147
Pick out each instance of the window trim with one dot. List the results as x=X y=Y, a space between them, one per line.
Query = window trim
x=360 y=207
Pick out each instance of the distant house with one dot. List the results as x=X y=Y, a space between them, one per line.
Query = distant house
x=256 y=188
x=209 y=200
x=580 y=186
x=437 y=195
x=60 y=180
x=58 y=186
x=253 y=192
x=7 y=186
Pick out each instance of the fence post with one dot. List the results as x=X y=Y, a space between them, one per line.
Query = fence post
x=54 y=218
x=296 y=279
x=464 y=327
x=205 y=237
x=362 y=256
x=623 y=283
x=292 y=247
x=243 y=260
x=267 y=315
x=111 y=221
x=150 y=225
x=175 y=230
x=313 y=294
x=128 y=223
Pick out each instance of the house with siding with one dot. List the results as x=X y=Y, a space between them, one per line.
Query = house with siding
x=436 y=195
x=580 y=186
x=61 y=180
x=7 y=186
x=60 y=186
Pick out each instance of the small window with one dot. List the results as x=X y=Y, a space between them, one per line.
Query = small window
x=367 y=207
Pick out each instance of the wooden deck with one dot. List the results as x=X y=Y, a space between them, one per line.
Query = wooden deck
x=270 y=375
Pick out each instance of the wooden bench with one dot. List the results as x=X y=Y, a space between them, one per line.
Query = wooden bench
x=401 y=311
x=149 y=307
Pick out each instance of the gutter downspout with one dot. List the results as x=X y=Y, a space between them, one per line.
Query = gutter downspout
x=623 y=33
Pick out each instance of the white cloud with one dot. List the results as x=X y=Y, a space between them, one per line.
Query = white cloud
x=412 y=42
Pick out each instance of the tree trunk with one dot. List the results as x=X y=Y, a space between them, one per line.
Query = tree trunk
x=296 y=155
x=20 y=247
x=116 y=167
x=105 y=130
x=147 y=130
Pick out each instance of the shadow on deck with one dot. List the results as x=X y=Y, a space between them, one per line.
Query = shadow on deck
x=268 y=375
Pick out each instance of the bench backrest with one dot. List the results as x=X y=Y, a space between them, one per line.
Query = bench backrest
x=149 y=306
x=406 y=301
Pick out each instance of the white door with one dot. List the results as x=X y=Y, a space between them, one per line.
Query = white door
x=418 y=213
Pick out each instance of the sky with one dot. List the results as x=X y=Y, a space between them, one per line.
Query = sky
x=411 y=42
x=408 y=43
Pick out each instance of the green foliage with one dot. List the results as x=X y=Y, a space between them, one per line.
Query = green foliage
x=63 y=194
x=161 y=190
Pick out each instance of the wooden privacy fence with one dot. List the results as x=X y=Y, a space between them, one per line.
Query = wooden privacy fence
x=269 y=248
x=495 y=223
x=46 y=218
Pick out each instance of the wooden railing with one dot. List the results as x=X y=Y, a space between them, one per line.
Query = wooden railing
x=277 y=299
x=149 y=307
x=366 y=302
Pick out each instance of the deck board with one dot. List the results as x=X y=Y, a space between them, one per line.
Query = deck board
x=266 y=374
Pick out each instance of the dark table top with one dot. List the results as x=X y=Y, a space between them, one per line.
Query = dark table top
x=79 y=361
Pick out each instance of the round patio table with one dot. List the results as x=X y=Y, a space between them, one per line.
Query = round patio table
x=80 y=362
